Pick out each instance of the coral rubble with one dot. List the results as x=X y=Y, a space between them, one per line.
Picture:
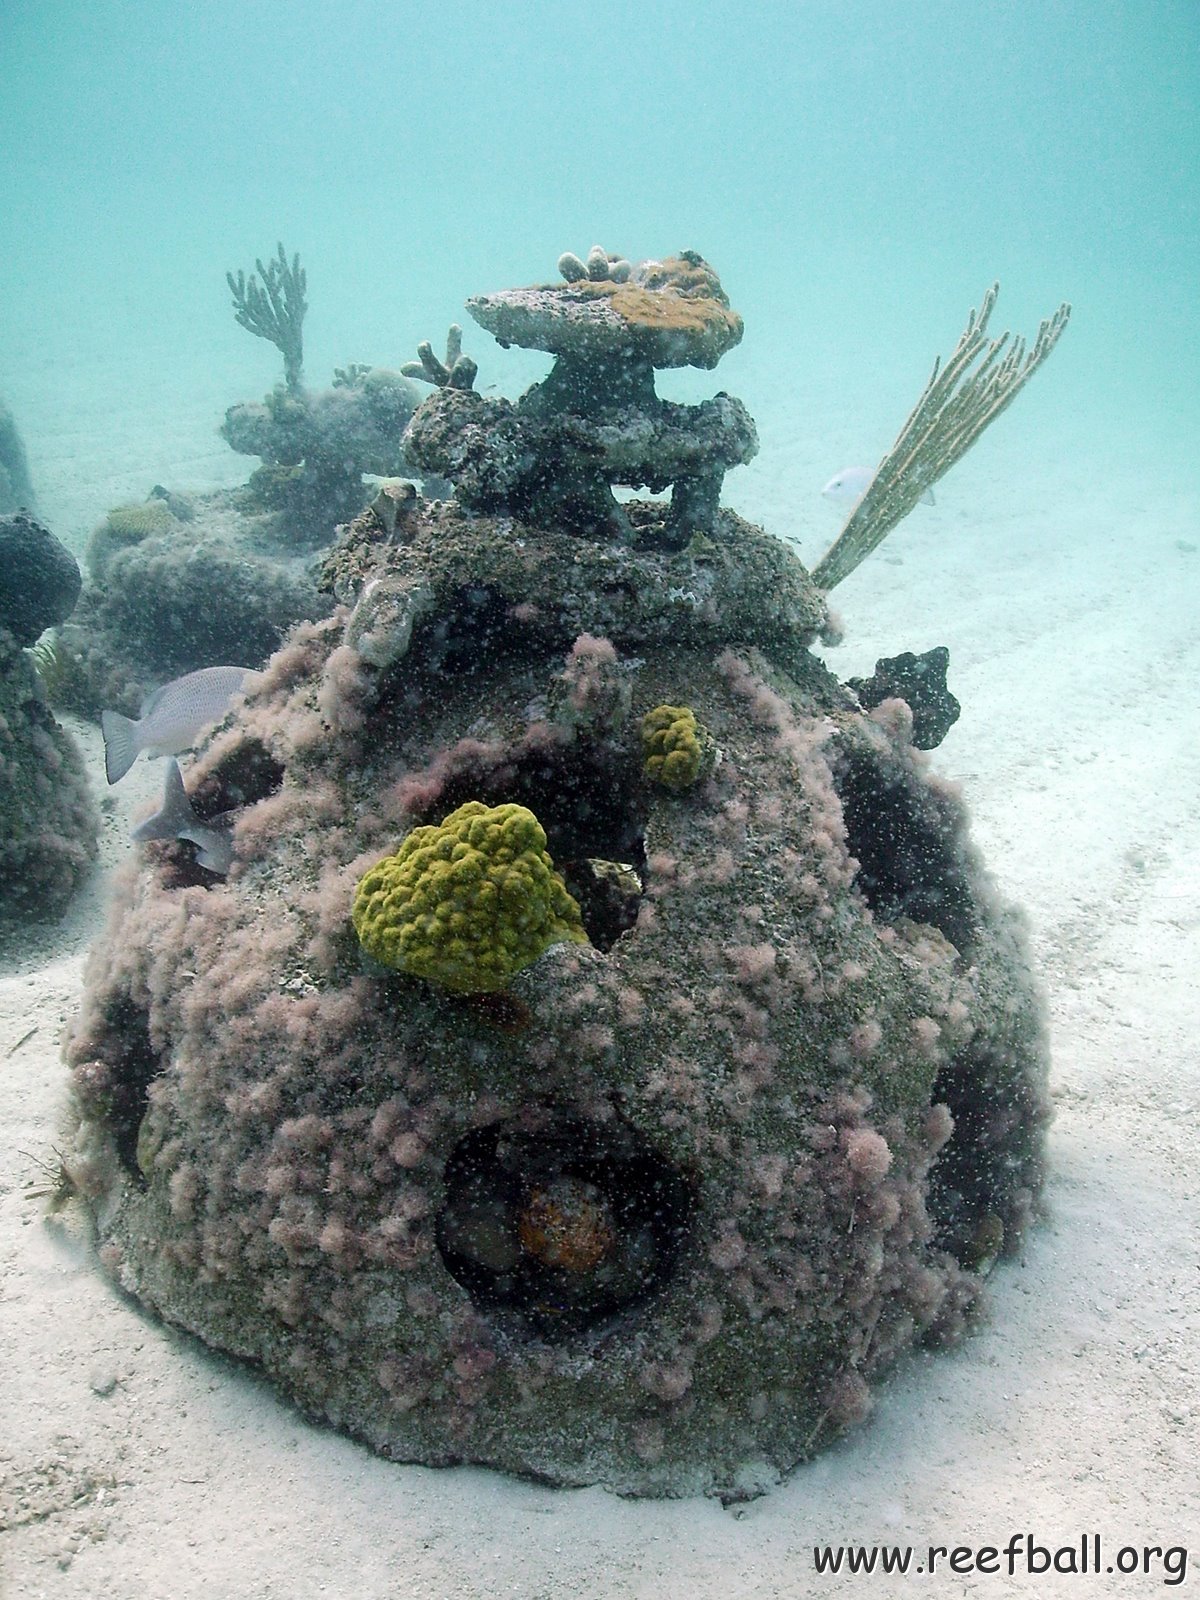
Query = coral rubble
x=658 y=1202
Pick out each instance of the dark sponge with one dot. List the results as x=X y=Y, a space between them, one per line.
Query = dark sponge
x=39 y=578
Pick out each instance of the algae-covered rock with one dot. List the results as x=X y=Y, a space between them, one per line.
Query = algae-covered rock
x=176 y=584
x=48 y=822
x=671 y=313
x=127 y=525
x=315 y=447
x=595 y=420
x=779 y=1099
x=39 y=578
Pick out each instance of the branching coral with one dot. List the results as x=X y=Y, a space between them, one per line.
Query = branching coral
x=275 y=308
x=467 y=903
x=457 y=371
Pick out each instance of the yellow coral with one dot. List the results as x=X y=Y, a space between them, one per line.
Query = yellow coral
x=468 y=902
x=129 y=524
x=676 y=749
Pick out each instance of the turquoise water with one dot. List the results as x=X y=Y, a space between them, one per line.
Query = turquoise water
x=857 y=170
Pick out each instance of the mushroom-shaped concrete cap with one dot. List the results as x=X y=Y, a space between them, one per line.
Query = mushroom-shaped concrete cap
x=671 y=313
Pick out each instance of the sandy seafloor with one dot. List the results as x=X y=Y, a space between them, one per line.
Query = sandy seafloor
x=136 y=1465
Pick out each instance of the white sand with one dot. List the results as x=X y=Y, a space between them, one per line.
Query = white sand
x=134 y=1463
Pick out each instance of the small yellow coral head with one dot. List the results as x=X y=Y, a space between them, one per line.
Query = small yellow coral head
x=129 y=524
x=676 y=749
x=468 y=902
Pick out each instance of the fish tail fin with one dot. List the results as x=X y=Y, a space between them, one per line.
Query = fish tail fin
x=176 y=819
x=120 y=744
x=174 y=814
x=214 y=850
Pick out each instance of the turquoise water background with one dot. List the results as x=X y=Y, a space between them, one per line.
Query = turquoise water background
x=857 y=170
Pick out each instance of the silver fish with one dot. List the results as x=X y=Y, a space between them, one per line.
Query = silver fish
x=173 y=717
x=178 y=820
x=851 y=483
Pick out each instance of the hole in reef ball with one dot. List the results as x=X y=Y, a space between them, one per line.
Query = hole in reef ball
x=559 y=1224
x=903 y=840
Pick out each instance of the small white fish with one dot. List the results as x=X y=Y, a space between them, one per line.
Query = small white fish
x=178 y=820
x=173 y=717
x=851 y=483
